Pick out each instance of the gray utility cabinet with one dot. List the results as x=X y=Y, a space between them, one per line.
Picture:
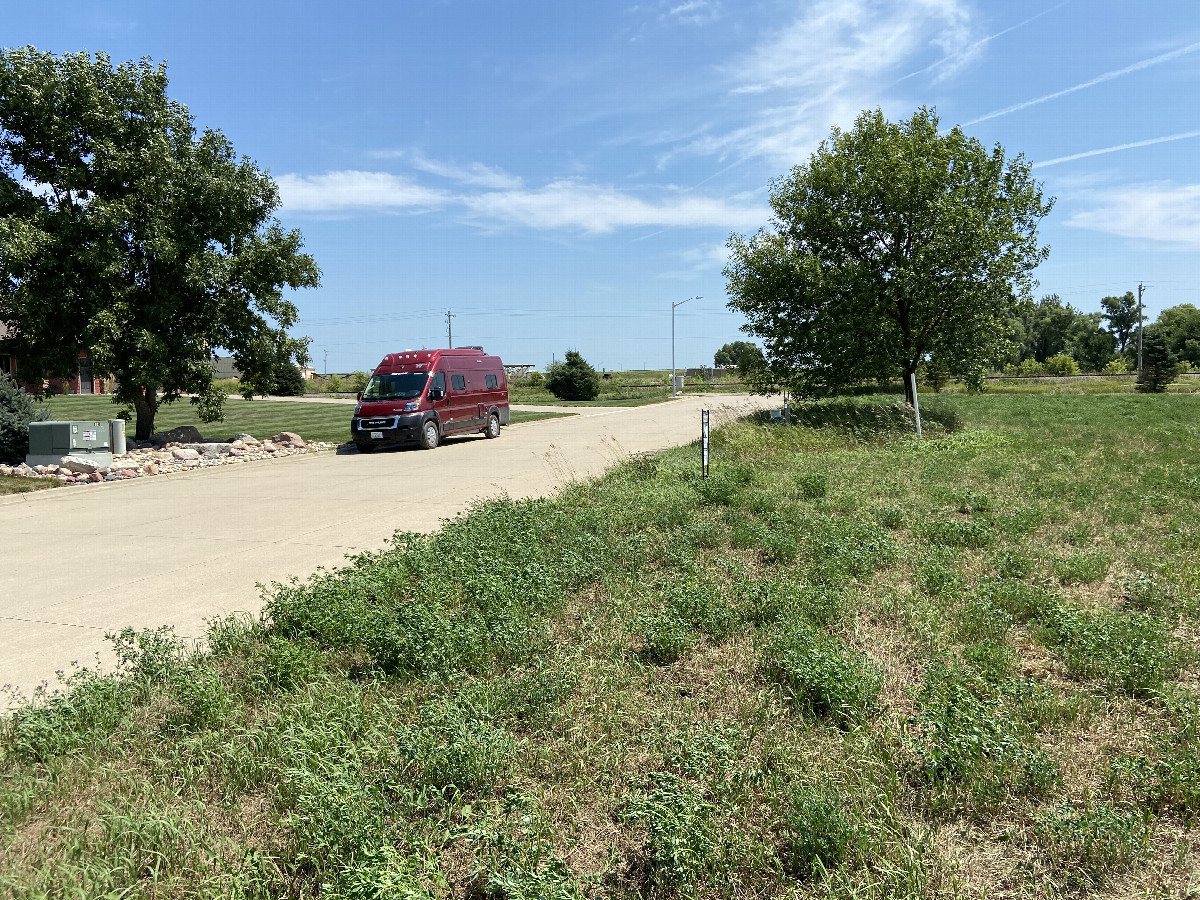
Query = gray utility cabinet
x=97 y=442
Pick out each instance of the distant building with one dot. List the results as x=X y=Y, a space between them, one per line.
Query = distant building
x=223 y=367
x=81 y=382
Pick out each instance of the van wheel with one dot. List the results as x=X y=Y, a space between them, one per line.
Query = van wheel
x=429 y=435
x=493 y=426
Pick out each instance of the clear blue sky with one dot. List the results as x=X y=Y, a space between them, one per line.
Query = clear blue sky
x=558 y=173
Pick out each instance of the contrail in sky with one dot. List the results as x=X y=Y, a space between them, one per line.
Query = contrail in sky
x=1107 y=76
x=1145 y=143
x=982 y=41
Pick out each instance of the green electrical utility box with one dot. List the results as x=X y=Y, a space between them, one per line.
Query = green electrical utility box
x=51 y=442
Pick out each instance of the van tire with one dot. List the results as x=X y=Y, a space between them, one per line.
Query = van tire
x=366 y=448
x=493 y=426
x=429 y=434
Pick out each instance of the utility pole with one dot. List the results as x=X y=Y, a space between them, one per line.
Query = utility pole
x=449 y=330
x=326 y=362
x=673 y=305
x=1141 y=287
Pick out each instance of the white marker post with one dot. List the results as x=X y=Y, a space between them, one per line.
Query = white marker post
x=916 y=407
x=704 y=443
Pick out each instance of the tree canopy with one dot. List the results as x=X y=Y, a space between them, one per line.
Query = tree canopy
x=1121 y=313
x=743 y=354
x=125 y=234
x=893 y=246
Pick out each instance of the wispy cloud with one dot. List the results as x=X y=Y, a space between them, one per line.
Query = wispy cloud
x=1160 y=212
x=693 y=12
x=566 y=204
x=837 y=58
x=355 y=190
x=576 y=205
x=473 y=173
x=1092 y=82
x=1149 y=142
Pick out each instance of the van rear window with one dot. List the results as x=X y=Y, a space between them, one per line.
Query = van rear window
x=491 y=381
x=458 y=382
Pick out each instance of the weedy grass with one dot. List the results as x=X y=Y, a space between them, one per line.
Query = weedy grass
x=850 y=663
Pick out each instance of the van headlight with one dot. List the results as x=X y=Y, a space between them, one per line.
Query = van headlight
x=412 y=405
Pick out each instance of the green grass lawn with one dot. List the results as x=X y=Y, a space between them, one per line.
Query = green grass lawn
x=10 y=484
x=849 y=664
x=261 y=418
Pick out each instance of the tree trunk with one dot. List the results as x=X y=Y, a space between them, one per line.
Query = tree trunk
x=145 y=403
x=908 y=388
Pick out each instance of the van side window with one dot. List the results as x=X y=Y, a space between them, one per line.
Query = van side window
x=439 y=381
x=458 y=382
x=490 y=381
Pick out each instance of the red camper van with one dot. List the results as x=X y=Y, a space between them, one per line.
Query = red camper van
x=423 y=395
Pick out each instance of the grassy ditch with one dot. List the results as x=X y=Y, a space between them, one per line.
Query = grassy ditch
x=849 y=664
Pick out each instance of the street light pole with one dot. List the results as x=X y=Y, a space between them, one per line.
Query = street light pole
x=673 y=305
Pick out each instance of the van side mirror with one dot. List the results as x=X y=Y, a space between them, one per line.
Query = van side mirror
x=360 y=396
x=436 y=394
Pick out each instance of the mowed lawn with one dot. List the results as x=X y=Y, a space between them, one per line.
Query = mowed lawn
x=259 y=417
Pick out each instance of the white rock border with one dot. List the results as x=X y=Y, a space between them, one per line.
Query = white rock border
x=175 y=457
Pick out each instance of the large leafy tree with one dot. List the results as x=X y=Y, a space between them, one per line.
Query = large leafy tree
x=1121 y=313
x=895 y=245
x=1180 y=326
x=127 y=234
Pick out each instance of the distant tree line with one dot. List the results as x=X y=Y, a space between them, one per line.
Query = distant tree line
x=1051 y=337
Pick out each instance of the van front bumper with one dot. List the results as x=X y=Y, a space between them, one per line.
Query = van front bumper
x=386 y=430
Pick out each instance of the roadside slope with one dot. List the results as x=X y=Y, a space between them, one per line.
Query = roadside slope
x=175 y=551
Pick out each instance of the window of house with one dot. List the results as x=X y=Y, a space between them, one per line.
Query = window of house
x=458 y=382
x=491 y=381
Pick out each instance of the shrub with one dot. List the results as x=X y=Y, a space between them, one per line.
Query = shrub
x=1118 y=365
x=573 y=379
x=17 y=410
x=820 y=674
x=1025 y=368
x=535 y=379
x=1062 y=364
x=288 y=380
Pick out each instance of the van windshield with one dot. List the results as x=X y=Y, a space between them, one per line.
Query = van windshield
x=400 y=386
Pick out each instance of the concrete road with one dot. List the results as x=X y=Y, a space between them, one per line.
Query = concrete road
x=76 y=563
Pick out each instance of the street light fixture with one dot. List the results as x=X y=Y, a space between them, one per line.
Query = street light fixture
x=673 y=305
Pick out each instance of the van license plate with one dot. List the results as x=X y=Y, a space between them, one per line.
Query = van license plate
x=377 y=435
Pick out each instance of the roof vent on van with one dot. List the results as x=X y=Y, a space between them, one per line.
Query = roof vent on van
x=470 y=347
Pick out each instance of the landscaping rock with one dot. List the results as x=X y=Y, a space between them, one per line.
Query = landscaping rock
x=184 y=434
x=95 y=477
x=185 y=453
x=151 y=469
x=289 y=437
x=248 y=440
x=268 y=447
